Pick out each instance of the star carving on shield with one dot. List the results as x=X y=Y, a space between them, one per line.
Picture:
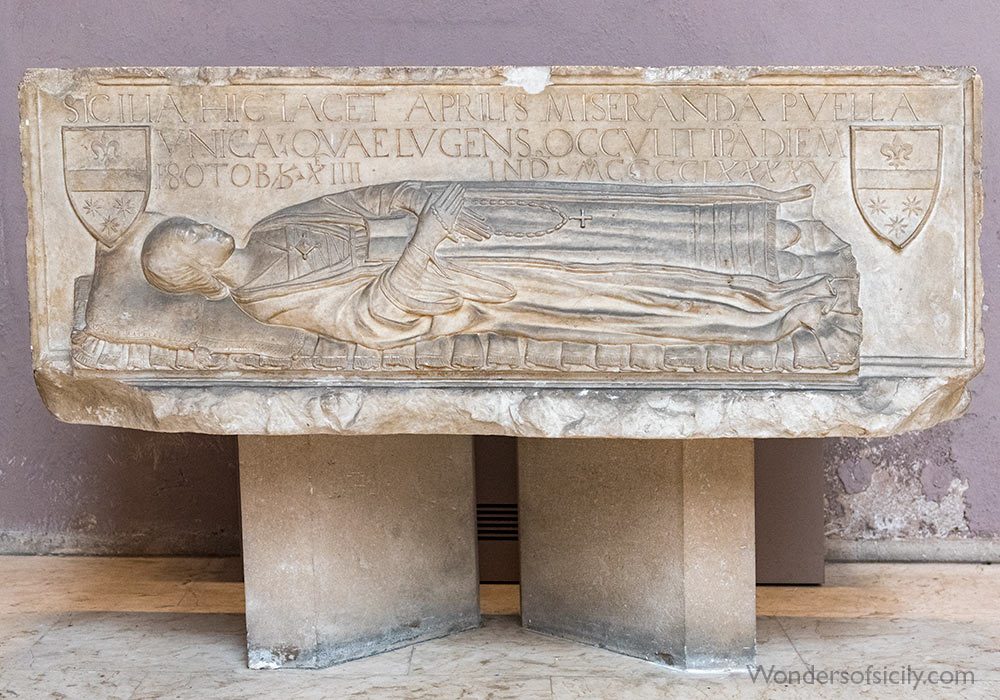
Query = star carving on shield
x=895 y=177
x=912 y=206
x=897 y=224
x=106 y=170
x=876 y=205
x=122 y=207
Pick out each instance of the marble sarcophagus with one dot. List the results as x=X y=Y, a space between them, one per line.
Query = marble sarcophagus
x=354 y=269
x=411 y=252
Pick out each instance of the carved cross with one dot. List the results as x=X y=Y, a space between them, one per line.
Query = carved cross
x=583 y=218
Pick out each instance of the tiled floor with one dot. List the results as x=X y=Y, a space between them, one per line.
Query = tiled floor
x=173 y=628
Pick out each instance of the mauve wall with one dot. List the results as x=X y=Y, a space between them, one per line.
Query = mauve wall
x=99 y=489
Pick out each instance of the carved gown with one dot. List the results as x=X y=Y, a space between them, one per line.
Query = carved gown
x=322 y=266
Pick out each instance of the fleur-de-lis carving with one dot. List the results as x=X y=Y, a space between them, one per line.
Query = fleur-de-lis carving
x=104 y=149
x=897 y=151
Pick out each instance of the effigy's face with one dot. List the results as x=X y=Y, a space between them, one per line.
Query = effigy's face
x=775 y=244
x=208 y=243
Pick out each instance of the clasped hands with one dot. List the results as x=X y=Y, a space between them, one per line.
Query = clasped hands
x=447 y=215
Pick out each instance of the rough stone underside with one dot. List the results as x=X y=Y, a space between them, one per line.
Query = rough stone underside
x=876 y=407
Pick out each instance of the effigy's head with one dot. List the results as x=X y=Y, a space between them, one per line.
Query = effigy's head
x=183 y=256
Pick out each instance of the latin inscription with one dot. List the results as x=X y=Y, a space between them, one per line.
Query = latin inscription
x=265 y=138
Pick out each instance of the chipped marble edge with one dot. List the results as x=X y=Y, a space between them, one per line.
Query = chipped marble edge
x=878 y=407
x=532 y=78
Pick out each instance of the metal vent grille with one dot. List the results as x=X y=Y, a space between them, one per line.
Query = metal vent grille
x=496 y=521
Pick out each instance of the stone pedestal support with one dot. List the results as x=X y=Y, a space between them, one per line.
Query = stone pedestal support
x=644 y=547
x=355 y=545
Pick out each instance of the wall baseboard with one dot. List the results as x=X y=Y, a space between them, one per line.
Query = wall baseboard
x=144 y=544
x=124 y=544
x=915 y=549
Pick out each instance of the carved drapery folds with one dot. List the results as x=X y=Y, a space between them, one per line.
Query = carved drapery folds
x=684 y=281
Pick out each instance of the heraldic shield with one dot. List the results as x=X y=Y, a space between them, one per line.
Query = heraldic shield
x=895 y=175
x=107 y=174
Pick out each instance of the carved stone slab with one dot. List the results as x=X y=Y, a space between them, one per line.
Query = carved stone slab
x=543 y=252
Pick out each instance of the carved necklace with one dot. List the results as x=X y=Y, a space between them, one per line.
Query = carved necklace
x=563 y=219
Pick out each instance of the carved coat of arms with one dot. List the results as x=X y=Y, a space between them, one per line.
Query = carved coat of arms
x=107 y=174
x=895 y=176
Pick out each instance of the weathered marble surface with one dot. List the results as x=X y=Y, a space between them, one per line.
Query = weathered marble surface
x=882 y=406
x=617 y=252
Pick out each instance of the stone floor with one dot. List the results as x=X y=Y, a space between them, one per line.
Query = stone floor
x=173 y=628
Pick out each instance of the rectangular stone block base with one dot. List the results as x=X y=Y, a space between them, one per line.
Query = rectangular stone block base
x=644 y=547
x=355 y=545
